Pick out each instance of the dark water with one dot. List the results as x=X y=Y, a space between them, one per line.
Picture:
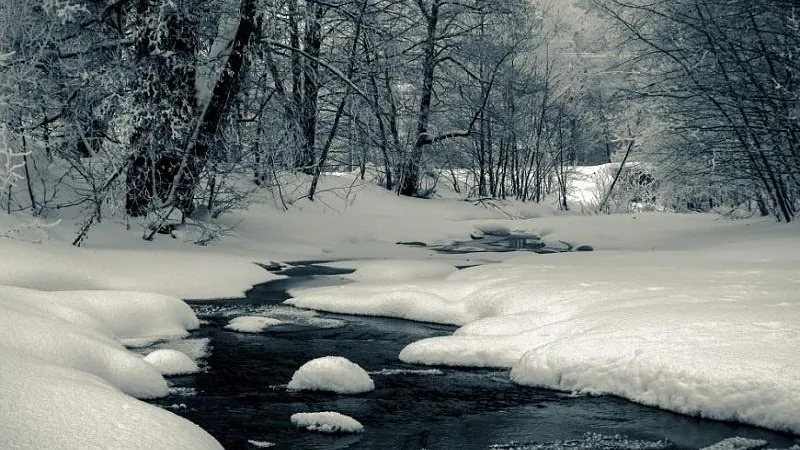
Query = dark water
x=241 y=395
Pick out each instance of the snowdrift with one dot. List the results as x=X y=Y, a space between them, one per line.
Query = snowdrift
x=711 y=332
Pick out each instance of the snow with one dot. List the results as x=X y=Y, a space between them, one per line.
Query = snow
x=43 y=405
x=398 y=270
x=260 y=444
x=708 y=326
x=252 y=324
x=327 y=422
x=331 y=373
x=50 y=339
x=171 y=362
x=689 y=312
x=66 y=381
x=738 y=443
x=184 y=274
x=132 y=318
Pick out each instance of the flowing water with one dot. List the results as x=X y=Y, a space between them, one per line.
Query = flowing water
x=241 y=396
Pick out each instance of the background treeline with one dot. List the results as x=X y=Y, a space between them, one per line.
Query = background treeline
x=156 y=107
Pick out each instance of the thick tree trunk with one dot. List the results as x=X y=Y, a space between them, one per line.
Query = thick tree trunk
x=224 y=89
x=411 y=169
x=312 y=43
x=168 y=78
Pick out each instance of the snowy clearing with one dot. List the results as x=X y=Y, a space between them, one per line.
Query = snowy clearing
x=327 y=422
x=331 y=373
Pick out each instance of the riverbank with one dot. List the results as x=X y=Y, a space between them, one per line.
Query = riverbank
x=368 y=223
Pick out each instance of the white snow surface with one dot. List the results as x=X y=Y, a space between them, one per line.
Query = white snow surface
x=260 y=444
x=331 y=373
x=132 y=318
x=727 y=287
x=710 y=328
x=66 y=380
x=738 y=443
x=327 y=422
x=83 y=330
x=399 y=270
x=49 y=406
x=171 y=362
x=184 y=274
x=251 y=324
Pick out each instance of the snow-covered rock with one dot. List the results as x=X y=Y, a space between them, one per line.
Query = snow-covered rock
x=251 y=324
x=327 y=422
x=171 y=362
x=331 y=373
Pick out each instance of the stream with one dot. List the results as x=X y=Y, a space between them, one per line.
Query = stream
x=241 y=398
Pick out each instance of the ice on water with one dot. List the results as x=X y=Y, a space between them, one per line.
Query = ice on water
x=327 y=422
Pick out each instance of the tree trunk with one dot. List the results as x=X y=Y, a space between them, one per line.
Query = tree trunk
x=411 y=170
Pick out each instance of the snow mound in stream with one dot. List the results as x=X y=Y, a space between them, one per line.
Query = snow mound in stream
x=252 y=324
x=327 y=422
x=331 y=373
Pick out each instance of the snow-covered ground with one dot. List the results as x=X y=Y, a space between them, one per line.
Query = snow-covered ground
x=692 y=313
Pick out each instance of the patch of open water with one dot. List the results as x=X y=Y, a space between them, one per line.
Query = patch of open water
x=241 y=398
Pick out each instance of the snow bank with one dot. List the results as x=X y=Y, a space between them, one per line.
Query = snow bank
x=711 y=332
x=399 y=270
x=405 y=301
x=331 y=373
x=327 y=422
x=251 y=324
x=171 y=362
x=132 y=318
x=59 y=343
x=47 y=406
x=183 y=274
x=64 y=374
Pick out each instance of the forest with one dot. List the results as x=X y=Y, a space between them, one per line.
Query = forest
x=156 y=108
